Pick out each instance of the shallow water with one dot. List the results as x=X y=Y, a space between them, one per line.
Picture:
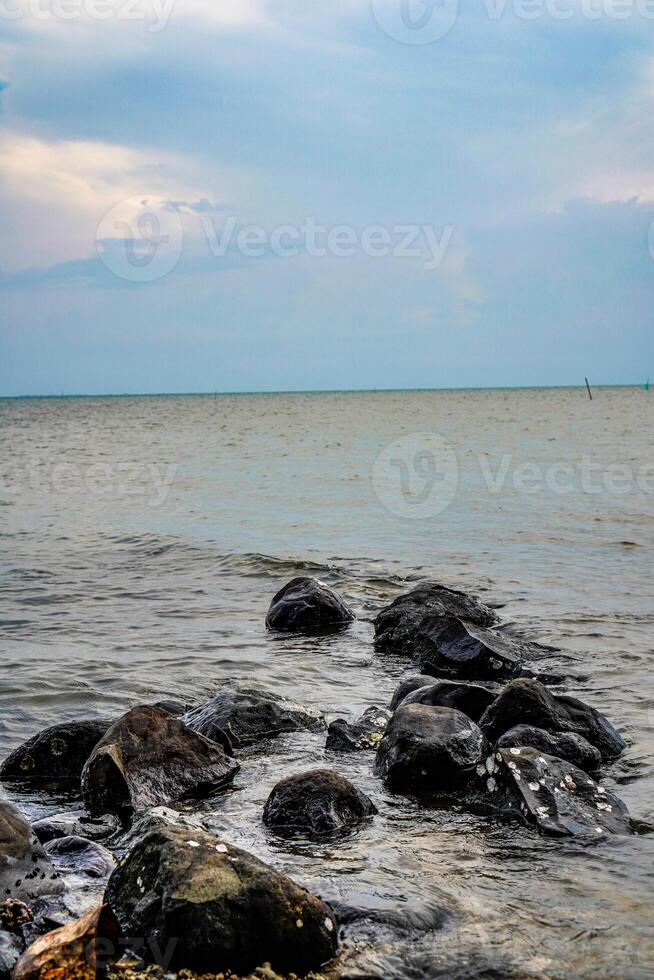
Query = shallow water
x=142 y=540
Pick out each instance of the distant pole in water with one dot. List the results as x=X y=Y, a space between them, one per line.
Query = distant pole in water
x=647 y=385
x=588 y=386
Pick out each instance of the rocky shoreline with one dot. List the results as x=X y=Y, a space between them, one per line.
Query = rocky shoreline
x=476 y=727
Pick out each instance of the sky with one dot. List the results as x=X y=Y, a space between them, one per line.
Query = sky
x=264 y=195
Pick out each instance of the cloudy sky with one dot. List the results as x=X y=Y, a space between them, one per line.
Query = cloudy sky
x=288 y=194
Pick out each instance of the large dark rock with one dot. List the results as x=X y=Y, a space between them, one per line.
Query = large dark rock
x=527 y=702
x=305 y=604
x=76 y=823
x=55 y=754
x=364 y=733
x=409 y=684
x=471 y=699
x=559 y=798
x=410 y=619
x=461 y=650
x=81 y=856
x=317 y=803
x=248 y=716
x=148 y=758
x=564 y=745
x=430 y=750
x=26 y=872
x=218 y=906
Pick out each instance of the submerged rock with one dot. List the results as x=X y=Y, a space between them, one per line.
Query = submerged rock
x=305 y=604
x=411 y=618
x=77 y=823
x=364 y=733
x=81 y=856
x=409 y=684
x=247 y=716
x=69 y=953
x=430 y=750
x=559 y=798
x=26 y=872
x=217 y=907
x=319 y=802
x=564 y=745
x=471 y=699
x=148 y=758
x=527 y=702
x=55 y=754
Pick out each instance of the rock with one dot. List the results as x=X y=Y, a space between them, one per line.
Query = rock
x=247 y=716
x=55 y=754
x=408 y=685
x=364 y=733
x=430 y=750
x=224 y=907
x=148 y=758
x=559 y=798
x=319 y=802
x=26 y=872
x=14 y=914
x=69 y=953
x=528 y=702
x=410 y=618
x=161 y=818
x=77 y=823
x=564 y=745
x=174 y=707
x=305 y=604
x=462 y=650
x=471 y=699
x=11 y=947
x=81 y=856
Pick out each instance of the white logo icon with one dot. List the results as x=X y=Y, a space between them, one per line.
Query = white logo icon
x=415 y=21
x=140 y=239
x=416 y=476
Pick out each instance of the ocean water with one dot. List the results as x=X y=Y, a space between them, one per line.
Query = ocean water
x=141 y=540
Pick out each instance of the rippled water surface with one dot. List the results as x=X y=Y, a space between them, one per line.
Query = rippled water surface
x=142 y=539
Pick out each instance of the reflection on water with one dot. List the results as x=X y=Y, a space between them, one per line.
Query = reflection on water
x=142 y=539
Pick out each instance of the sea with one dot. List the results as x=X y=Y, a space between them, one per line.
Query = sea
x=141 y=541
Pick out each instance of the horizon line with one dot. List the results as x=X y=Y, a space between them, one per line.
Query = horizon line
x=316 y=391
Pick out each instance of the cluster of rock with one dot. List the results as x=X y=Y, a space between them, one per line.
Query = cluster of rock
x=474 y=728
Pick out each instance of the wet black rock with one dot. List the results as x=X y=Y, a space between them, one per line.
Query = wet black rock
x=247 y=716
x=409 y=684
x=528 y=702
x=11 y=948
x=26 y=872
x=55 y=754
x=364 y=733
x=317 y=803
x=148 y=758
x=305 y=604
x=81 y=856
x=217 y=907
x=76 y=823
x=471 y=699
x=564 y=745
x=411 y=618
x=462 y=650
x=557 y=796
x=430 y=750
